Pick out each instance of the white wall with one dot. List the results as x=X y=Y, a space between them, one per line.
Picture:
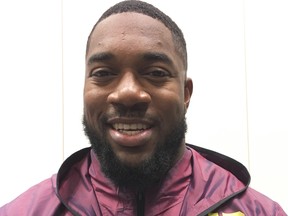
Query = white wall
x=238 y=59
x=31 y=123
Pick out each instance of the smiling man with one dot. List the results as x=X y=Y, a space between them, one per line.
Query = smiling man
x=136 y=95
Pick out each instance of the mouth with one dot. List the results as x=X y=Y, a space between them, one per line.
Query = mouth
x=130 y=132
x=130 y=129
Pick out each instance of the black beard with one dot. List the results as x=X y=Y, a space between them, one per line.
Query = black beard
x=147 y=173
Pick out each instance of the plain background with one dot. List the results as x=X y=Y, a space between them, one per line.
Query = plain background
x=238 y=60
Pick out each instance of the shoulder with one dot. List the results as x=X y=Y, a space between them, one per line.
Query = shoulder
x=252 y=202
x=257 y=203
x=36 y=200
x=244 y=199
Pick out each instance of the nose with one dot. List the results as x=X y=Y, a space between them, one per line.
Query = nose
x=129 y=92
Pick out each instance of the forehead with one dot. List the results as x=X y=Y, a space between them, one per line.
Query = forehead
x=133 y=27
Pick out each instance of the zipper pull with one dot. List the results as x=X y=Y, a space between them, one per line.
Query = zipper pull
x=140 y=203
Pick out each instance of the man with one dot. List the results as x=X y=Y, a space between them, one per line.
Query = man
x=135 y=98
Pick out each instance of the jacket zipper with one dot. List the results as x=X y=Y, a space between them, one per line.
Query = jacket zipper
x=140 y=203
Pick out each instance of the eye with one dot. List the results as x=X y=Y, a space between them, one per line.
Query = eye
x=159 y=73
x=157 y=76
x=102 y=76
x=101 y=73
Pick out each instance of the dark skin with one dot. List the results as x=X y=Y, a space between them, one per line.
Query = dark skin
x=135 y=85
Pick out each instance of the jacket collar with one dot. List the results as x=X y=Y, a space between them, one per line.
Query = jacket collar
x=169 y=192
x=200 y=193
x=217 y=179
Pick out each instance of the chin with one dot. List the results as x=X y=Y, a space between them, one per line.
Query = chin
x=132 y=166
x=134 y=160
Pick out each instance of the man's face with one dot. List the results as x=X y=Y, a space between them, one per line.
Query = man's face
x=135 y=90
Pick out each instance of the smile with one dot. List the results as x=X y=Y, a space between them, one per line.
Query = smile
x=130 y=129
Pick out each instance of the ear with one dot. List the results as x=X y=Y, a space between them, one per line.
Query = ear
x=188 y=90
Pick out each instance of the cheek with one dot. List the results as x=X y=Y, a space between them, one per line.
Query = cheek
x=170 y=103
x=94 y=102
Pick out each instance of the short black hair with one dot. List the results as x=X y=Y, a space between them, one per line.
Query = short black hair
x=149 y=10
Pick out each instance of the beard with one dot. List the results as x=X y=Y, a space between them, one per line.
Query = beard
x=148 y=172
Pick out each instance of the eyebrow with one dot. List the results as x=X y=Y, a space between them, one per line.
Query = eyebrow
x=149 y=56
x=157 y=57
x=98 y=57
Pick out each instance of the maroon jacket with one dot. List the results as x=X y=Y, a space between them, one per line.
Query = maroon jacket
x=202 y=183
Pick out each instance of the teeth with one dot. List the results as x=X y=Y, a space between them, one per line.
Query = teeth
x=130 y=133
x=130 y=127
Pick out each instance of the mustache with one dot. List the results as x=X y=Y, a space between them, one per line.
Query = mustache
x=142 y=114
x=133 y=115
x=139 y=110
